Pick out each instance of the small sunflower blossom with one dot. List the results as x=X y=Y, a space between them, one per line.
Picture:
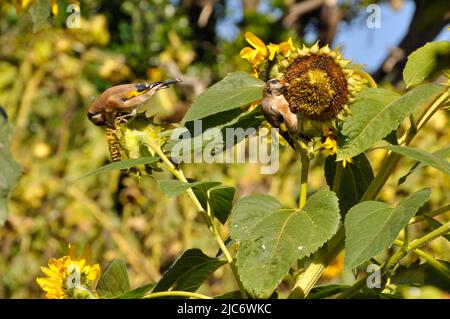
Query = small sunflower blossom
x=330 y=148
x=70 y=277
x=261 y=53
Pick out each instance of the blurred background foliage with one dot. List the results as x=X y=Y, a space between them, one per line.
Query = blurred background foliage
x=49 y=74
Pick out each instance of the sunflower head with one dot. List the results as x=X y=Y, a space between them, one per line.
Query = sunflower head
x=321 y=82
x=70 y=277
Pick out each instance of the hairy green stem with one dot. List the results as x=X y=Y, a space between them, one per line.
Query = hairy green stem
x=176 y=294
x=430 y=260
x=417 y=244
x=304 y=176
x=431 y=214
x=207 y=215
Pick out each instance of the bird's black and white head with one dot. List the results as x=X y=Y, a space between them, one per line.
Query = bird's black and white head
x=97 y=118
x=274 y=87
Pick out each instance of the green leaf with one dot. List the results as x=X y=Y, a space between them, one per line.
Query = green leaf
x=235 y=90
x=372 y=226
x=424 y=61
x=114 y=280
x=221 y=201
x=421 y=156
x=188 y=272
x=442 y=153
x=356 y=177
x=121 y=165
x=275 y=242
x=322 y=292
x=250 y=210
x=10 y=170
x=377 y=112
x=138 y=292
x=434 y=224
x=173 y=187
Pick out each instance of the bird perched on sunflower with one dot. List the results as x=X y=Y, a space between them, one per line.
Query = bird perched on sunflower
x=317 y=84
x=116 y=106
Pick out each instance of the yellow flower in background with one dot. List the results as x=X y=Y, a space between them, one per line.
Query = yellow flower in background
x=284 y=48
x=330 y=146
x=258 y=53
x=70 y=277
x=25 y=4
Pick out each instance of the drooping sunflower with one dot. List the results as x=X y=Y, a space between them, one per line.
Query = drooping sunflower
x=321 y=84
x=70 y=277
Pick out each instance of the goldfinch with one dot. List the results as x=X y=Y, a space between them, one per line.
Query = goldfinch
x=276 y=109
x=123 y=101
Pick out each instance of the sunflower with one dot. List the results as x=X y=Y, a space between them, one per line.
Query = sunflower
x=70 y=277
x=322 y=84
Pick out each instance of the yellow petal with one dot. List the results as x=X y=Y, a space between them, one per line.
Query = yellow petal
x=273 y=49
x=55 y=7
x=286 y=47
x=256 y=43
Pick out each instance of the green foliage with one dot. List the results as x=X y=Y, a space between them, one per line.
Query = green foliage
x=188 y=272
x=426 y=60
x=442 y=153
x=321 y=292
x=10 y=170
x=235 y=90
x=138 y=292
x=377 y=112
x=172 y=187
x=422 y=156
x=354 y=182
x=47 y=81
x=122 y=165
x=372 y=226
x=280 y=237
x=114 y=281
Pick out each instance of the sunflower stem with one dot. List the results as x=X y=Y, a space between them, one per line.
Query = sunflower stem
x=206 y=215
x=304 y=175
x=176 y=294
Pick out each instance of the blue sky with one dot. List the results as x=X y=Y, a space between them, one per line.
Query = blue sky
x=358 y=42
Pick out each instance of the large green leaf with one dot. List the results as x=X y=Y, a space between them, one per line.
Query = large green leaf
x=114 y=280
x=10 y=170
x=377 y=112
x=421 y=156
x=188 y=272
x=443 y=153
x=279 y=238
x=235 y=90
x=372 y=226
x=356 y=177
x=425 y=61
x=250 y=210
x=121 y=165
